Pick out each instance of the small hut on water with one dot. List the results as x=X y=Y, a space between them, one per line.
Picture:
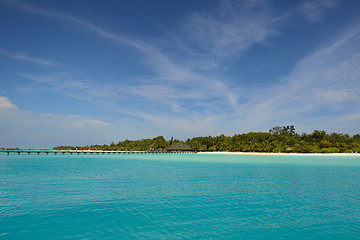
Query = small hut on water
x=179 y=147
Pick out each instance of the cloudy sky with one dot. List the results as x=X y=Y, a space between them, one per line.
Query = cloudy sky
x=91 y=72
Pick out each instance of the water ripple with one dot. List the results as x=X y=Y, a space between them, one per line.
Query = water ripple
x=112 y=198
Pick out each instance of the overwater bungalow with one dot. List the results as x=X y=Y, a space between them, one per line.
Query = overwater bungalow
x=179 y=147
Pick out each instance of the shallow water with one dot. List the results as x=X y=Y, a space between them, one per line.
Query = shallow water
x=179 y=197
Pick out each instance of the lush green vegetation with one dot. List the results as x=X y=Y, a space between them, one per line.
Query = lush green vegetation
x=158 y=144
x=278 y=139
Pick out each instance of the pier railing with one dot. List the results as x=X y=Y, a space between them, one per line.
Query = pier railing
x=89 y=152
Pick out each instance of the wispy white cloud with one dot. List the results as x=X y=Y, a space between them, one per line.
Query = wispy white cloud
x=6 y=104
x=29 y=129
x=29 y=8
x=83 y=122
x=163 y=97
x=189 y=125
x=25 y=57
x=182 y=79
x=226 y=33
x=75 y=87
x=322 y=92
x=245 y=24
x=23 y=128
x=95 y=29
x=60 y=80
x=325 y=81
x=232 y=28
x=314 y=10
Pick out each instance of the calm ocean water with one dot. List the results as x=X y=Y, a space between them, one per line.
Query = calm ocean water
x=179 y=197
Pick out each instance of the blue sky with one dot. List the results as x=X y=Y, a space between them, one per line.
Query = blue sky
x=93 y=72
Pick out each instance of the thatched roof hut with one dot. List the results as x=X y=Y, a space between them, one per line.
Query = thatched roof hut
x=179 y=146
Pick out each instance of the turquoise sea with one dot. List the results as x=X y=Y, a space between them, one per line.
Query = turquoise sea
x=179 y=197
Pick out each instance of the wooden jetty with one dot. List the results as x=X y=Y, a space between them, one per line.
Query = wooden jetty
x=78 y=152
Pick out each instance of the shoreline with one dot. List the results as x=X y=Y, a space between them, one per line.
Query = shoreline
x=284 y=154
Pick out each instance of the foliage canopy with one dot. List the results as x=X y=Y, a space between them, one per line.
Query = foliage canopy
x=278 y=139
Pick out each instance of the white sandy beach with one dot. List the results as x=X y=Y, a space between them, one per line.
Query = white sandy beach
x=285 y=154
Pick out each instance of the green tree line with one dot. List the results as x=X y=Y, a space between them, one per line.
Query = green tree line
x=156 y=144
x=278 y=139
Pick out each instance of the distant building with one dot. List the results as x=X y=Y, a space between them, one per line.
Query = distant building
x=289 y=149
x=179 y=147
x=43 y=148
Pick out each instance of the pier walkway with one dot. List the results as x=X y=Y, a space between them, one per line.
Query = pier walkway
x=78 y=152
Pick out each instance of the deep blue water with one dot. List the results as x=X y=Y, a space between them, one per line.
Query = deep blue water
x=179 y=197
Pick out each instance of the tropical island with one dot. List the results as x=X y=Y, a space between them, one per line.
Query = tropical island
x=278 y=140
